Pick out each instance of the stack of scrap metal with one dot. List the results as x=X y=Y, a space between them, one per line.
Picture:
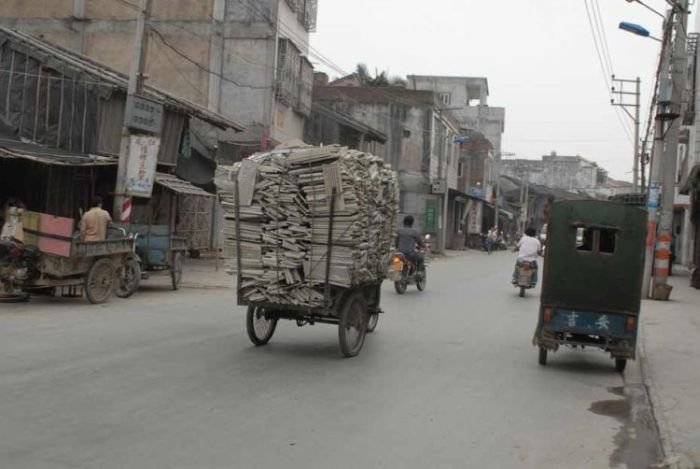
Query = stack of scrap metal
x=284 y=221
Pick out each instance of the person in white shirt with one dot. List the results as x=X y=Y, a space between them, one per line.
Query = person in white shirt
x=529 y=247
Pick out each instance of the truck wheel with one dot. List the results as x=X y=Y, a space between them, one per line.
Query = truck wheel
x=352 y=326
x=260 y=329
x=543 y=356
x=620 y=364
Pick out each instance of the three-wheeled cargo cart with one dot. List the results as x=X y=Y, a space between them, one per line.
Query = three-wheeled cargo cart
x=91 y=269
x=355 y=310
x=157 y=251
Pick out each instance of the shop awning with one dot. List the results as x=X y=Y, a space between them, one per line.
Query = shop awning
x=15 y=149
x=180 y=186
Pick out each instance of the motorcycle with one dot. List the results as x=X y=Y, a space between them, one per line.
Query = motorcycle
x=18 y=266
x=404 y=272
x=525 y=276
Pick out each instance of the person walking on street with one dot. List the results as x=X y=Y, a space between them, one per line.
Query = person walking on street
x=93 y=225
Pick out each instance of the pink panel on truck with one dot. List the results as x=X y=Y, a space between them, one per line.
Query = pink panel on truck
x=56 y=233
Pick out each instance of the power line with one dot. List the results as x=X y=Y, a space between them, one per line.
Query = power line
x=601 y=62
x=200 y=66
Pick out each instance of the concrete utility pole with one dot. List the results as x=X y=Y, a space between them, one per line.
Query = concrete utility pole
x=662 y=255
x=621 y=93
x=122 y=203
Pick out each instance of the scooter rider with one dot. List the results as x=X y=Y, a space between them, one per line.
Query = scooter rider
x=529 y=247
x=406 y=240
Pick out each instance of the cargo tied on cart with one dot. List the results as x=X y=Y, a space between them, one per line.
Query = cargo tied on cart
x=308 y=233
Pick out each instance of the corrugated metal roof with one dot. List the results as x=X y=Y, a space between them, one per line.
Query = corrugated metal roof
x=119 y=80
x=180 y=186
x=14 y=149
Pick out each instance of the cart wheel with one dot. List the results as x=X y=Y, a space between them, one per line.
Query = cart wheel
x=99 y=282
x=260 y=329
x=543 y=356
x=420 y=284
x=522 y=292
x=620 y=364
x=176 y=269
x=128 y=278
x=353 y=325
x=400 y=286
x=372 y=322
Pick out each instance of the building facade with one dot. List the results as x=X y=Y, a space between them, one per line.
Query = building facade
x=420 y=145
x=481 y=132
x=570 y=173
x=245 y=59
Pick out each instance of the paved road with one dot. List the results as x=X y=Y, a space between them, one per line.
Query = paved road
x=448 y=380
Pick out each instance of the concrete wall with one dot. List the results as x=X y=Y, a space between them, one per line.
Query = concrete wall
x=229 y=37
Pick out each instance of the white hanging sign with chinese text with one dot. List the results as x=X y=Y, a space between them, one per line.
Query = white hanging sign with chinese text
x=141 y=166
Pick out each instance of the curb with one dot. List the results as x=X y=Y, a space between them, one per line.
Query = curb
x=671 y=459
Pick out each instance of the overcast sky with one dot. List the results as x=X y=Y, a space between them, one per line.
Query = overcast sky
x=538 y=55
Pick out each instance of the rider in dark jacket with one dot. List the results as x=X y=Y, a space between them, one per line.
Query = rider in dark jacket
x=406 y=240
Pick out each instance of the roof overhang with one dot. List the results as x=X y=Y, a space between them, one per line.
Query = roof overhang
x=180 y=186
x=11 y=149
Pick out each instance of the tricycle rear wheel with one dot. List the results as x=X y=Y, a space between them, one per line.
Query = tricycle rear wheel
x=128 y=278
x=99 y=281
x=620 y=364
x=260 y=328
x=352 y=327
x=543 y=356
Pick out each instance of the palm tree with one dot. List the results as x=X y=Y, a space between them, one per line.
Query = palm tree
x=380 y=79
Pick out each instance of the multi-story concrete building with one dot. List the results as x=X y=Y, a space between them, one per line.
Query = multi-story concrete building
x=420 y=146
x=246 y=59
x=481 y=127
x=570 y=173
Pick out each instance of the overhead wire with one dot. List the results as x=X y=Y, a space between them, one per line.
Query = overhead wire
x=603 y=68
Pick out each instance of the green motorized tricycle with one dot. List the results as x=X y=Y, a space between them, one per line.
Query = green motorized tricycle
x=592 y=281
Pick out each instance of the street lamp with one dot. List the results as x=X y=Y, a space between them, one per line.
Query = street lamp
x=637 y=30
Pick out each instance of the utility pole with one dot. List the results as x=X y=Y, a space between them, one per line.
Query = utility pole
x=662 y=254
x=634 y=115
x=122 y=203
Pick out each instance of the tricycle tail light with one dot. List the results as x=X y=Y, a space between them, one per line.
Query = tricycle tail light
x=630 y=324
x=547 y=314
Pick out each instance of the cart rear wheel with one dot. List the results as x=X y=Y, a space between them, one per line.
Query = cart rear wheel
x=99 y=281
x=353 y=325
x=260 y=329
x=176 y=269
x=620 y=364
x=372 y=322
x=543 y=356
x=128 y=278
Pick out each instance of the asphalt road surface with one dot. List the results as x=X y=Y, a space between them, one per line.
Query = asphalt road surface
x=448 y=380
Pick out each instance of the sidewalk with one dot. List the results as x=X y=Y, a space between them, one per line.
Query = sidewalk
x=670 y=359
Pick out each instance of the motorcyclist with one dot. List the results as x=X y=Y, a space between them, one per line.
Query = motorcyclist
x=406 y=240
x=528 y=248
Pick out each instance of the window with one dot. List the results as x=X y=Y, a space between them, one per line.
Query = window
x=445 y=98
x=460 y=169
x=601 y=240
